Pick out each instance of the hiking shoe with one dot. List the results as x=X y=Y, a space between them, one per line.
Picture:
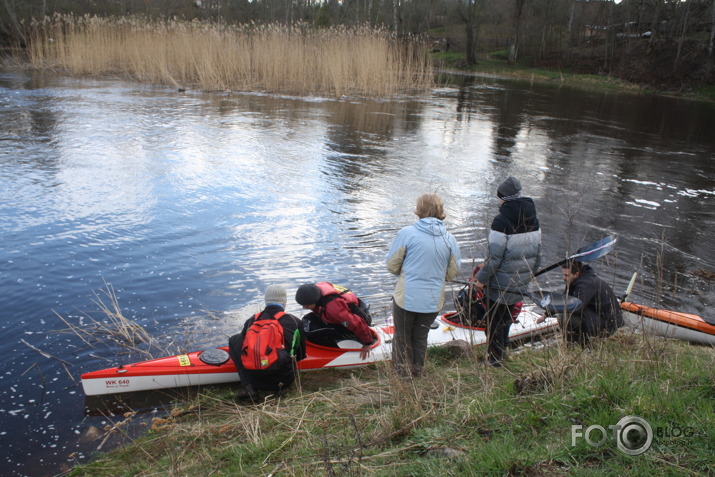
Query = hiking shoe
x=494 y=363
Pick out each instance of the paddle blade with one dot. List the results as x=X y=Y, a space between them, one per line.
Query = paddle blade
x=595 y=250
x=586 y=253
x=555 y=302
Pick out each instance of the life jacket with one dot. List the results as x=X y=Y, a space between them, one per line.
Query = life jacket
x=471 y=310
x=357 y=307
x=264 y=343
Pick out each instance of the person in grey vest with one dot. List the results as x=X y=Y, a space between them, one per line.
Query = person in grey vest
x=514 y=255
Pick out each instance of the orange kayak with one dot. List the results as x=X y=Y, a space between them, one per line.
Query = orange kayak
x=670 y=324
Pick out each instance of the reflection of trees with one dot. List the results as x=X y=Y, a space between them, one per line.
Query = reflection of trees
x=508 y=118
x=30 y=121
x=359 y=135
x=465 y=97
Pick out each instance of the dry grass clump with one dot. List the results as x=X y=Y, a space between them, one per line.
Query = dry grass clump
x=112 y=328
x=274 y=58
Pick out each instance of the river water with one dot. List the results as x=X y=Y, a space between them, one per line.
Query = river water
x=187 y=205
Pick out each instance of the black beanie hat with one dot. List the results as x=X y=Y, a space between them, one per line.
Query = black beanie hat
x=509 y=189
x=308 y=294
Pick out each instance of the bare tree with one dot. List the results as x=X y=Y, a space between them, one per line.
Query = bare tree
x=468 y=13
x=682 y=36
x=712 y=31
x=516 y=30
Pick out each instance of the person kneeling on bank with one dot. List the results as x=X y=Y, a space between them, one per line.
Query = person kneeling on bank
x=598 y=314
x=268 y=348
x=337 y=314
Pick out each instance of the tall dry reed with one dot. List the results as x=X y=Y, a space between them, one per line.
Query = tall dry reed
x=274 y=58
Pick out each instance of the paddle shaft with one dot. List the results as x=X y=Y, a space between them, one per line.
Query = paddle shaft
x=590 y=252
x=551 y=267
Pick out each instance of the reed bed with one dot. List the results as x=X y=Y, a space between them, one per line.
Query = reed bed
x=292 y=59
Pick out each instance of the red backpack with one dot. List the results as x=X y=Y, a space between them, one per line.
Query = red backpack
x=264 y=343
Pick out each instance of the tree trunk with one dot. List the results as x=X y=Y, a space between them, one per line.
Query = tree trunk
x=472 y=32
x=682 y=37
x=712 y=31
x=396 y=16
x=514 y=42
x=654 y=26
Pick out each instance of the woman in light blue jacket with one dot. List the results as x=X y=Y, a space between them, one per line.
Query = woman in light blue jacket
x=424 y=256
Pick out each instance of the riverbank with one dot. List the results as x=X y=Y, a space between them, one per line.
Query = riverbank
x=462 y=418
x=273 y=58
x=494 y=65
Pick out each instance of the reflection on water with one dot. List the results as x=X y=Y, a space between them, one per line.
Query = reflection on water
x=190 y=204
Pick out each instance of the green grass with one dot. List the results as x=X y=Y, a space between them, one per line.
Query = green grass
x=495 y=64
x=706 y=92
x=515 y=420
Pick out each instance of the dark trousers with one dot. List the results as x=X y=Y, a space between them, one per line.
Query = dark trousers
x=325 y=334
x=497 y=330
x=409 y=343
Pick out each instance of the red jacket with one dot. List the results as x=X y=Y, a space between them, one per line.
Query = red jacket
x=337 y=311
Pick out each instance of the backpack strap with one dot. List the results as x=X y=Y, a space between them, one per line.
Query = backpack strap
x=295 y=342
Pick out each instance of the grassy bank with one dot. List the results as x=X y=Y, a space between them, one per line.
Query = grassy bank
x=212 y=56
x=462 y=418
x=495 y=64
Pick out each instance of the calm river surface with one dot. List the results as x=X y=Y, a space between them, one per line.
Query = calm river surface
x=188 y=205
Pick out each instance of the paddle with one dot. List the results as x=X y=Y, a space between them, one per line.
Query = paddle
x=630 y=286
x=586 y=253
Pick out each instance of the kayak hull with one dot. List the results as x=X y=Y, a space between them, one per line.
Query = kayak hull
x=190 y=370
x=669 y=324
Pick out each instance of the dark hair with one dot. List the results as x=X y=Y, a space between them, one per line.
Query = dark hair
x=575 y=266
x=308 y=294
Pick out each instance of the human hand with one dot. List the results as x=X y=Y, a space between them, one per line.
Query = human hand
x=365 y=351
x=540 y=319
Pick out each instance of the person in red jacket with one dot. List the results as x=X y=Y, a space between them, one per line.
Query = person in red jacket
x=336 y=314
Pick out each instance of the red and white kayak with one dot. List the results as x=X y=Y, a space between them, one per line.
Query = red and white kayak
x=670 y=324
x=214 y=366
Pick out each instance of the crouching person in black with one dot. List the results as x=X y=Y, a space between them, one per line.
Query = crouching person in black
x=598 y=315
x=268 y=348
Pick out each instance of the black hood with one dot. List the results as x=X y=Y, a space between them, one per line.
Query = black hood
x=517 y=216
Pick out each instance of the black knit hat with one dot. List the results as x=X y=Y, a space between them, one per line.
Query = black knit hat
x=308 y=294
x=509 y=189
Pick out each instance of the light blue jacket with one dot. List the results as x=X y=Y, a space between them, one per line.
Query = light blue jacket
x=424 y=255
